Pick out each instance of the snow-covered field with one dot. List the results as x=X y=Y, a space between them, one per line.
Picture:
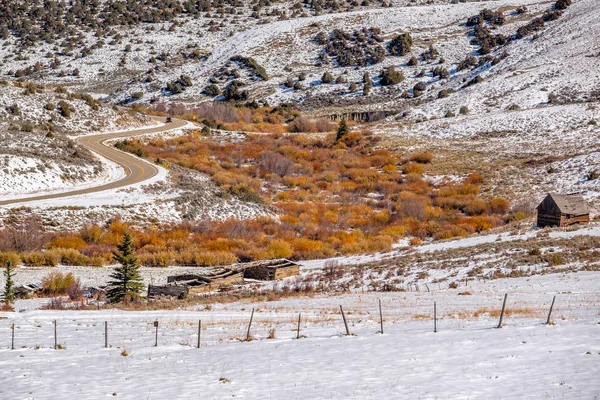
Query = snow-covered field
x=466 y=359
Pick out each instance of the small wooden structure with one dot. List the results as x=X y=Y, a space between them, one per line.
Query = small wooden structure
x=268 y=270
x=562 y=210
x=181 y=286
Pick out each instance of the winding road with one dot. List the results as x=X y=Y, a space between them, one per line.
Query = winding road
x=136 y=169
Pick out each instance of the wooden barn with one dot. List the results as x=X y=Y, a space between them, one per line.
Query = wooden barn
x=181 y=286
x=268 y=270
x=562 y=210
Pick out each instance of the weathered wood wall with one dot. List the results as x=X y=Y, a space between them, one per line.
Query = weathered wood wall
x=178 y=291
x=548 y=218
x=217 y=284
x=292 y=270
x=576 y=219
x=259 y=272
x=266 y=273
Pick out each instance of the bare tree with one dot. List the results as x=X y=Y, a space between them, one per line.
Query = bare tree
x=276 y=163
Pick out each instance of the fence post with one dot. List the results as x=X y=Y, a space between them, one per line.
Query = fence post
x=345 y=322
x=298 y=330
x=106 y=334
x=249 y=325
x=550 y=313
x=199 y=331
x=434 y=317
x=156 y=334
x=502 y=312
x=12 y=343
x=55 y=340
x=380 y=317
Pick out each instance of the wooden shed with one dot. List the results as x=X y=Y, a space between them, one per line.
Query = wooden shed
x=181 y=286
x=268 y=270
x=562 y=210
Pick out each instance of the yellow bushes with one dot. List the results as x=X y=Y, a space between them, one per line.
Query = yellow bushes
x=474 y=179
x=413 y=168
x=160 y=259
x=306 y=249
x=476 y=207
x=91 y=234
x=396 y=232
x=53 y=257
x=48 y=258
x=67 y=242
x=57 y=283
x=280 y=249
x=499 y=206
x=212 y=258
x=6 y=256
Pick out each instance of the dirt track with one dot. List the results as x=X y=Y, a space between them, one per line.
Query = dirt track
x=136 y=170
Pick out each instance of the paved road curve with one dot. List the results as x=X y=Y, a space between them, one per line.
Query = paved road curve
x=136 y=170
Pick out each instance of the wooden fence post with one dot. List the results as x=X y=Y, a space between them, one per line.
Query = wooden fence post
x=106 y=334
x=380 y=317
x=12 y=343
x=434 y=317
x=345 y=322
x=298 y=330
x=156 y=334
x=550 y=312
x=249 y=325
x=199 y=331
x=55 y=340
x=502 y=312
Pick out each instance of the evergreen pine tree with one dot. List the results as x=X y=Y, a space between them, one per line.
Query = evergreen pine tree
x=342 y=130
x=127 y=283
x=9 y=290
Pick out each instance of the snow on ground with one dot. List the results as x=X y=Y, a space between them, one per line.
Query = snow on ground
x=466 y=358
x=471 y=241
x=26 y=177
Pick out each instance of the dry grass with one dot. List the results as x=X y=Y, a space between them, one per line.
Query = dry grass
x=421 y=316
x=520 y=312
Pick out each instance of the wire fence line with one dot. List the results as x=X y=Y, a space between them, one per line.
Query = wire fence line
x=107 y=332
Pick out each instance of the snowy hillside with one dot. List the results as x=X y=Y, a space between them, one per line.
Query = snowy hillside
x=144 y=59
x=37 y=152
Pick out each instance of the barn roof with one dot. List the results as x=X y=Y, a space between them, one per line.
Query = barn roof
x=570 y=203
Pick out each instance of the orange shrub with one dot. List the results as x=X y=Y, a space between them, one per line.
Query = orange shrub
x=499 y=205
x=67 y=242
x=331 y=198
x=476 y=207
x=413 y=168
x=415 y=241
x=422 y=158
x=474 y=179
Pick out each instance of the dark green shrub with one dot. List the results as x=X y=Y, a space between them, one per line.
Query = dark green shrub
x=390 y=76
x=212 y=90
x=327 y=78
x=400 y=45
